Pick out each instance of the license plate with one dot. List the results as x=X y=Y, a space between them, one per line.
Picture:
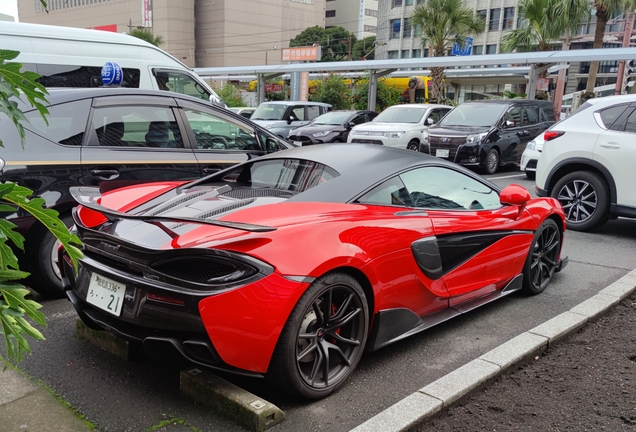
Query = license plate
x=106 y=294
x=443 y=153
x=298 y=143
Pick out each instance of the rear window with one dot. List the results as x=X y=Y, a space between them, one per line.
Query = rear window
x=294 y=175
x=67 y=122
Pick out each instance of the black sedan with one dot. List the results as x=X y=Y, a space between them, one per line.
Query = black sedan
x=332 y=127
x=112 y=138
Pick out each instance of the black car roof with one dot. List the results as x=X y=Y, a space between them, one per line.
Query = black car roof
x=360 y=166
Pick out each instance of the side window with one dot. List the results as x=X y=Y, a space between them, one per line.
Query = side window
x=269 y=144
x=212 y=132
x=179 y=82
x=514 y=115
x=546 y=115
x=443 y=188
x=313 y=111
x=80 y=76
x=530 y=115
x=609 y=115
x=630 y=124
x=298 y=112
x=371 y=116
x=391 y=192
x=67 y=122
x=437 y=115
x=359 y=119
x=136 y=126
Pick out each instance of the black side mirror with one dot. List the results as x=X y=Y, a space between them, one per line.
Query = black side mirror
x=271 y=145
x=350 y=125
x=291 y=119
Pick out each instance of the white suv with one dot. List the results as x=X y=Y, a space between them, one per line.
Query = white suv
x=399 y=126
x=587 y=162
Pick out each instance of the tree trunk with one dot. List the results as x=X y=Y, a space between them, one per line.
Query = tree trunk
x=436 y=94
x=601 y=22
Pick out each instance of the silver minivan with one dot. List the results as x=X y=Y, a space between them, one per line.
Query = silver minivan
x=280 y=117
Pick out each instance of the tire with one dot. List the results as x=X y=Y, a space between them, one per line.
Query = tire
x=584 y=197
x=542 y=258
x=314 y=366
x=491 y=163
x=413 y=145
x=45 y=275
x=531 y=175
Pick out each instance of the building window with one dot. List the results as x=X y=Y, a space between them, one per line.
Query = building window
x=482 y=14
x=395 y=28
x=405 y=53
x=417 y=31
x=393 y=54
x=491 y=49
x=495 y=18
x=417 y=53
x=509 y=18
x=419 y=2
x=425 y=52
x=396 y=3
x=478 y=49
x=370 y=29
x=330 y=14
x=371 y=12
x=408 y=27
x=409 y=2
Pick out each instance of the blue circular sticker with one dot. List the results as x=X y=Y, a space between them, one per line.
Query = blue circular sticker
x=112 y=74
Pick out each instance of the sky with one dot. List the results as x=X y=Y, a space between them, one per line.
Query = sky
x=9 y=7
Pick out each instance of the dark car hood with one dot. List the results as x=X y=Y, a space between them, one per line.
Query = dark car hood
x=310 y=129
x=457 y=130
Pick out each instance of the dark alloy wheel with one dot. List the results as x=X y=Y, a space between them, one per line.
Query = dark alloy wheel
x=414 y=145
x=584 y=197
x=542 y=258
x=492 y=161
x=323 y=339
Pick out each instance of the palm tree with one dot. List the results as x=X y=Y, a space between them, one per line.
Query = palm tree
x=444 y=23
x=146 y=34
x=543 y=22
x=605 y=9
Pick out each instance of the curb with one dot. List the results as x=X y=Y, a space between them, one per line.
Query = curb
x=440 y=394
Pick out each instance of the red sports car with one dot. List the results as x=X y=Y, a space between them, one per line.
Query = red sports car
x=291 y=265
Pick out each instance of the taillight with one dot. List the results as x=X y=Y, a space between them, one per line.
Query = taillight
x=550 y=135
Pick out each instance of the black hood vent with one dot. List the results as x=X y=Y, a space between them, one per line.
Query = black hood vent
x=172 y=204
x=245 y=193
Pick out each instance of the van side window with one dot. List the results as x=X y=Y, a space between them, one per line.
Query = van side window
x=212 y=132
x=80 y=76
x=313 y=111
x=530 y=115
x=298 y=112
x=514 y=115
x=136 y=126
x=179 y=82
x=67 y=122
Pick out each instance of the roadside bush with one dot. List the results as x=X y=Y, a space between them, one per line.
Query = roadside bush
x=386 y=95
x=334 y=90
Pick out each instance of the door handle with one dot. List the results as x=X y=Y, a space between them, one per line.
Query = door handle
x=210 y=170
x=610 y=145
x=105 y=174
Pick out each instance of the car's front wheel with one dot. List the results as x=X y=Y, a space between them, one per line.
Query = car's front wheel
x=542 y=258
x=324 y=338
x=414 y=145
x=491 y=164
x=584 y=198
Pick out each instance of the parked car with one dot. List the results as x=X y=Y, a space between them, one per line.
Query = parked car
x=331 y=127
x=398 y=242
x=280 y=117
x=399 y=125
x=531 y=155
x=244 y=111
x=587 y=162
x=487 y=134
x=112 y=138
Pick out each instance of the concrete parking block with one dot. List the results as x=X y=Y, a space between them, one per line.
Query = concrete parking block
x=595 y=306
x=243 y=407
x=108 y=342
x=451 y=387
x=516 y=349
x=559 y=326
x=405 y=414
x=618 y=289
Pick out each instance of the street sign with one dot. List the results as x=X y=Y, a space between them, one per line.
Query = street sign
x=464 y=50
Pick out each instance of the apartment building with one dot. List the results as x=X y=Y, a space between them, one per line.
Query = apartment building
x=359 y=17
x=200 y=34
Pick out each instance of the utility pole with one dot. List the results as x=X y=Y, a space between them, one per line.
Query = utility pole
x=349 y=55
x=129 y=25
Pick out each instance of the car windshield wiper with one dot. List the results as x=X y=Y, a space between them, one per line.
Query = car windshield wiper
x=86 y=196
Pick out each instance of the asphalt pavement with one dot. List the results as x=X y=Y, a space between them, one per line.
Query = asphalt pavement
x=26 y=405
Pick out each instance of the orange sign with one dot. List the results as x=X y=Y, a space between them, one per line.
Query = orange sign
x=301 y=54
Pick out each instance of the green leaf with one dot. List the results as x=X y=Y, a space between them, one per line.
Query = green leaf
x=15 y=298
x=7 y=231
x=7 y=275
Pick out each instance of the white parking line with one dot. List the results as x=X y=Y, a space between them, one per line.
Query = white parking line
x=505 y=177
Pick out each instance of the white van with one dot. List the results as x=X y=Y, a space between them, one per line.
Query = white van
x=73 y=57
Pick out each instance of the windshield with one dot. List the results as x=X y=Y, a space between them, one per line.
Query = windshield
x=267 y=111
x=397 y=114
x=333 y=118
x=474 y=114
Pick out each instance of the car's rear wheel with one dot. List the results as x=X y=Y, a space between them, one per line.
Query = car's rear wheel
x=324 y=338
x=414 y=145
x=542 y=258
x=45 y=274
x=491 y=164
x=584 y=198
